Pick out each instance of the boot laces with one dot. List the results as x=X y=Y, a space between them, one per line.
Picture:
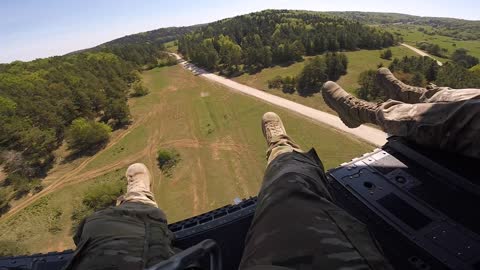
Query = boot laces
x=274 y=128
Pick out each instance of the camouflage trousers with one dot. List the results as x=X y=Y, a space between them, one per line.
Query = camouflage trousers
x=296 y=224
x=443 y=118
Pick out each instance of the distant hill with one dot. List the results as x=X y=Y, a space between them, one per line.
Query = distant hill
x=451 y=27
x=157 y=36
x=456 y=28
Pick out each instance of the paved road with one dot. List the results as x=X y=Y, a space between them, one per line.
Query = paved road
x=420 y=52
x=369 y=134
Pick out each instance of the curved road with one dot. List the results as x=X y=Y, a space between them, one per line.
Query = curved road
x=369 y=134
x=420 y=52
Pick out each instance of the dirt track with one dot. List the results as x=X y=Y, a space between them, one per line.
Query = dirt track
x=369 y=134
x=420 y=52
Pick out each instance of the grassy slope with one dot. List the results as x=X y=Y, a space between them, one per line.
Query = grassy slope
x=217 y=132
x=411 y=36
x=358 y=61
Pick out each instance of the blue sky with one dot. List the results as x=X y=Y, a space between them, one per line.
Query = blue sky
x=33 y=29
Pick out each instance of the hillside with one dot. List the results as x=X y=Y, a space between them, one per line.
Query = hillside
x=451 y=27
x=217 y=133
x=70 y=125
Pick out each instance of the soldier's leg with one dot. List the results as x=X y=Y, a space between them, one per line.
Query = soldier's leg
x=138 y=186
x=451 y=126
x=296 y=225
x=397 y=90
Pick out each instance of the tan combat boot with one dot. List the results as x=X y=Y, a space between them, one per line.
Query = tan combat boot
x=352 y=111
x=138 y=185
x=397 y=90
x=138 y=177
x=272 y=127
x=277 y=139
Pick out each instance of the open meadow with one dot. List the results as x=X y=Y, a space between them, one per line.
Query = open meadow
x=222 y=156
x=358 y=61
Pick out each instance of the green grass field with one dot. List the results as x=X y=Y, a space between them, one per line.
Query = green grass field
x=217 y=133
x=411 y=36
x=358 y=61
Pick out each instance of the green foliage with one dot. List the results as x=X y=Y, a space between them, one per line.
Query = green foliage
x=456 y=28
x=166 y=60
x=167 y=160
x=386 y=54
x=337 y=64
x=23 y=185
x=4 y=200
x=369 y=90
x=102 y=195
x=139 y=90
x=418 y=80
x=416 y=64
x=455 y=76
x=275 y=83
x=424 y=70
x=312 y=77
x=432 y=49
x=97 y=197
x=461 y=57
x=85 y=135
x=276 y=36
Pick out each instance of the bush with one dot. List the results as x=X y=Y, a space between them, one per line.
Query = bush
x=102 y=195
x=275 y=82
x=4 y=201
x=312 y=76
x=167 y=159
x=386 y=54
x=85 y=135
x=369 y=89
x=23 y=185
x=139 y=90
x=97 y=197
x=337 y=64
x=461 y=57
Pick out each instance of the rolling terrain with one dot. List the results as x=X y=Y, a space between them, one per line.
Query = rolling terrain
x=215 y=130
x=217 y=133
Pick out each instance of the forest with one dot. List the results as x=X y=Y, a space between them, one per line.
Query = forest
x=78 y=97
x=258 y=40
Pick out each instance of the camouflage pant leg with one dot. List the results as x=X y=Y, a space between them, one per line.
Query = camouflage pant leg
x=450 y=121
x=296 y=225
x=280 y=145
x=145 y=197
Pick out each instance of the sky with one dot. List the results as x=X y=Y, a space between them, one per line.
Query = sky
x=31 y=29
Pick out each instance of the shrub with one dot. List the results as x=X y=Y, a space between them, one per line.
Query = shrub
x=167 y=159
x=85 y=135
x=275 y=82
x=462 y=58
x=4 y=201
x=369 y=90
x=99 y=196
x=23 y=185
x=337 y=64
x=102 y=195
x=386 y=54
x=139 y=90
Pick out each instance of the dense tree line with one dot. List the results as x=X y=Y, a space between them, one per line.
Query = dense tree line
x=314 y=74
x=456 y=28
x=40 y=99
x=257 y=40
x=420 y=71
x=462 y=58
